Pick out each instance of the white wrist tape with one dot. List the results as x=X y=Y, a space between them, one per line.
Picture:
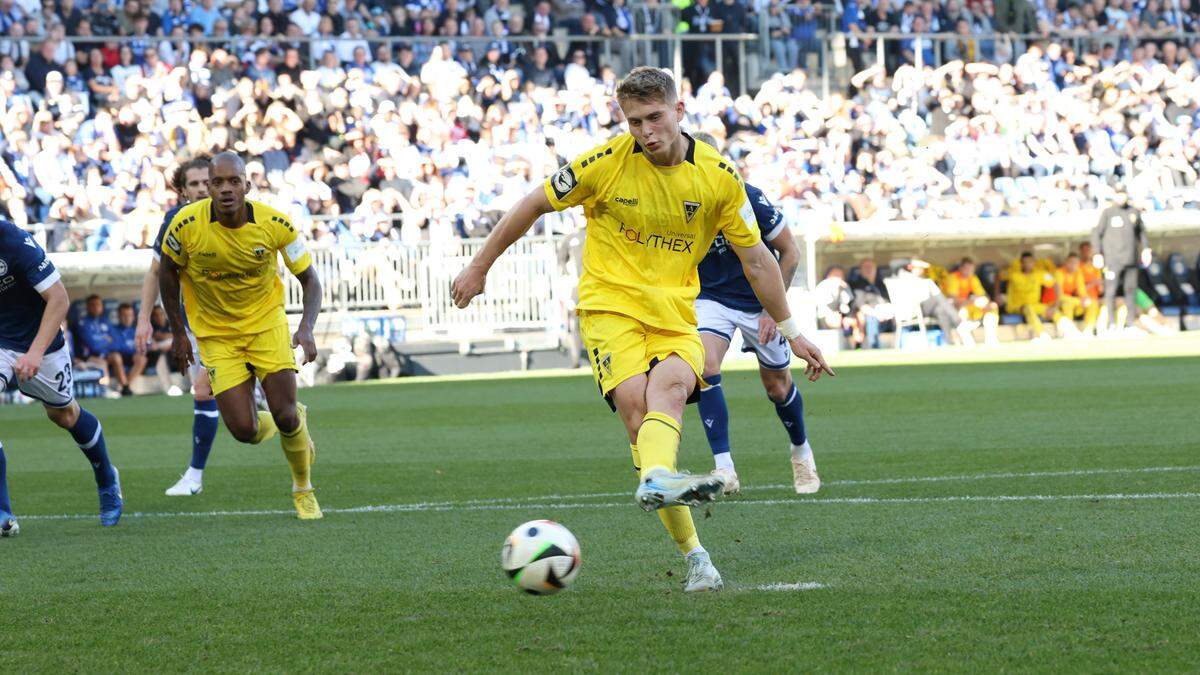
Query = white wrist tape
x=789 y=329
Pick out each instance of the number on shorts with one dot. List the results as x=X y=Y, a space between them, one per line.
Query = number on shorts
x=63 y=377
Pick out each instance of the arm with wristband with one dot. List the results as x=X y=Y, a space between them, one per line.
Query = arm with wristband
x=762 y=271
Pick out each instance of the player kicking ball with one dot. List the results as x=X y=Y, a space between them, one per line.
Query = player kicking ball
x=190 y=182
x=726 y=304
x=34 y=358
x=221 y=252
x=654 y=199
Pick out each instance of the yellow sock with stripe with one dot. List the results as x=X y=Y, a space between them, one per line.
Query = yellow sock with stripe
x=658 y=442
x=266 y=427
x=657 y=446
x=297 y=447
x=678 y=521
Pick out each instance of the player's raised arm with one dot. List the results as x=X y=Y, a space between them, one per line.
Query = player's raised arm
x=762 y=271
x=511 y=228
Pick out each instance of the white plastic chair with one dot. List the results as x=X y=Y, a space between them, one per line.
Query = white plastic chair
x=906 y=298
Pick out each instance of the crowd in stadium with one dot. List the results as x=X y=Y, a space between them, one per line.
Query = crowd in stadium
x=419 y=141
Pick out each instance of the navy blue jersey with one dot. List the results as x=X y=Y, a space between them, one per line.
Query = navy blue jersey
x=158 y=241
x=721 y=277
x=162 y=230
x=25 y=272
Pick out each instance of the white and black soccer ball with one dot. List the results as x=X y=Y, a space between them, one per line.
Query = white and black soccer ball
x=541 y=557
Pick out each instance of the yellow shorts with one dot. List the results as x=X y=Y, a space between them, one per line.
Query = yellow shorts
x=976 y=313
x=1072 y=307
x=620 y=347
x=231 y=360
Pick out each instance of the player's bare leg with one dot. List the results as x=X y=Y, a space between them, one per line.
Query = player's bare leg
x=243 y=420
x=291 y=419
x=660 y=398
x=789 y=405
x=714 y=413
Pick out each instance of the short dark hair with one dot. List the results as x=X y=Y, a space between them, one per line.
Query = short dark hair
x=967 y=260
x=1026 y=254
x=124 y=306
x=179 y=176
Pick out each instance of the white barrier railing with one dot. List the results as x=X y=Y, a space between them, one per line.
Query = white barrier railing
x=387 y=276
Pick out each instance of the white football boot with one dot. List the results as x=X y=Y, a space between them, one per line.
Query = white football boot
x=804 y=473
x=732 y=484
x=660 y=488
x=701 y=574
x=186 y=487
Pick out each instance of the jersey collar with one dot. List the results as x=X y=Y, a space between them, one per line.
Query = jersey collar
x=689 y=155
x=212 y=211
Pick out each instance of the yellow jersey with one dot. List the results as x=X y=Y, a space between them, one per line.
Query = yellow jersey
x=1026 y=289
x=961 y=288
x=649 y=226
x=230 y=278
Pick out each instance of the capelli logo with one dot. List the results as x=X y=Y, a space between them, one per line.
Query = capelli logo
x=626 y=201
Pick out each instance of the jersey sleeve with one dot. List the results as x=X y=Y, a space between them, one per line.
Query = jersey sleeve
x=35 y=266
x=768 y=217
x=736 y=213
x=173 y=242
x=578 y=181
x=291 y=244
x=162 y=232
x=977 y=286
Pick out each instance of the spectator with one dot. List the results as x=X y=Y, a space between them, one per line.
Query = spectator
x=732 y=14
x=203 y=14
x=803 y=17
x=592 y=49
x=871 y=301
x=124 y=359
x=935 y=304
x=834 y=301
x=698 y=56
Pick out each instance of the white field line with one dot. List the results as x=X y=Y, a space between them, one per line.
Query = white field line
x=869 y=481
x=802 y=586
x=437 y=507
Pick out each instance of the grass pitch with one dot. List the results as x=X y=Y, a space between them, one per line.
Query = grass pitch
x=999 y=516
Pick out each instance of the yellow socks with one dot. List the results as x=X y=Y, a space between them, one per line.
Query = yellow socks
x=637 y=459
x=266 y=427
x=658 y=442
x=678 y=521
x=657 y=447
x=297 y=447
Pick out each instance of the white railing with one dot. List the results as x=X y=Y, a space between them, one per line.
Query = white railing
x=387 y=276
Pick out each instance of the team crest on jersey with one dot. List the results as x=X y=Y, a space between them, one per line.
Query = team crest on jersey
x=3 y=267
x=690 y=208
x=259 y=252
x=563 y=182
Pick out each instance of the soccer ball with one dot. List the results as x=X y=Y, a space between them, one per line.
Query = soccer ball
x=541 y=556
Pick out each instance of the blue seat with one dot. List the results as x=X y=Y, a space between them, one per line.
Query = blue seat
x=1011 y=319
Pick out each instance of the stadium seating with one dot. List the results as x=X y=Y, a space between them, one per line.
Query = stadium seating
x=1182 y=282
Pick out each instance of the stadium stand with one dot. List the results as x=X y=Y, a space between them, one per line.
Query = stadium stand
x=396 y=128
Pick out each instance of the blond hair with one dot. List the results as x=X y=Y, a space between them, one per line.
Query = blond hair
x=645 y=83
